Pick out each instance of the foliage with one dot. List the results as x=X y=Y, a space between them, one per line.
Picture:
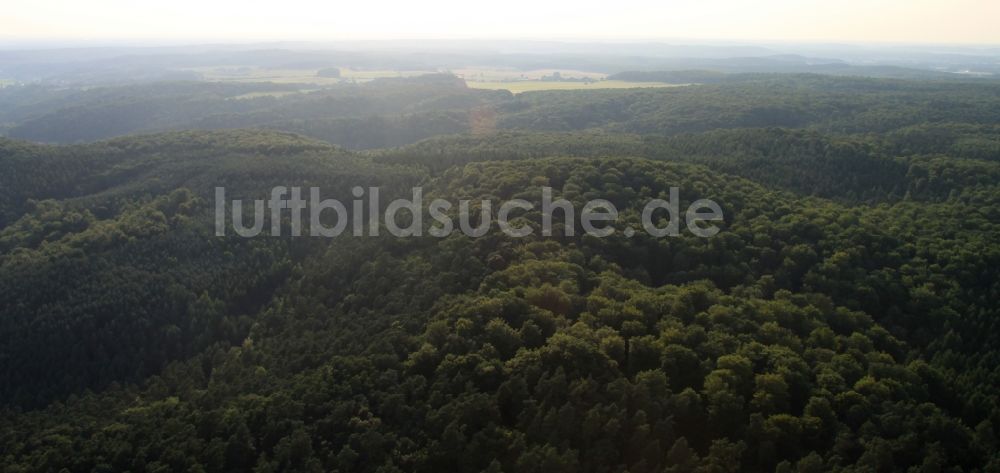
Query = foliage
x=844 y=319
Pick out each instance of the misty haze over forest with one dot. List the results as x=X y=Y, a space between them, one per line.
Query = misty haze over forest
x=56 y=63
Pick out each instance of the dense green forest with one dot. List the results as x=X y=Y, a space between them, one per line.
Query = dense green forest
x=843 y=319
x=399 y=111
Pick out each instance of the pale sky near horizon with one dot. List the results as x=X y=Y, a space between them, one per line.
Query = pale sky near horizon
x=899 y=21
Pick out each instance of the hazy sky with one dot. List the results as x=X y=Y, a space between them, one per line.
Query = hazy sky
x=925 y=21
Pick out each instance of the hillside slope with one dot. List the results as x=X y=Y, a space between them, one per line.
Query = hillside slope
x=809 y=335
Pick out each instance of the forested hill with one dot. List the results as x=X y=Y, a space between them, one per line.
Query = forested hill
x=351 y=115
x=110 y=266
x=959 y=161
x=108 y=175
x=850 y=330
x=400 y=111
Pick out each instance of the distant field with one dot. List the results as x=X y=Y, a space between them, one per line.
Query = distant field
x=535 y=85
x=295 y=76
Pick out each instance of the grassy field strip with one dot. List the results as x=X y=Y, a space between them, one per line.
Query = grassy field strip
x=295 y=76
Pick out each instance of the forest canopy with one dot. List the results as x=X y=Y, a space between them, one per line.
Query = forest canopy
x=843 y=319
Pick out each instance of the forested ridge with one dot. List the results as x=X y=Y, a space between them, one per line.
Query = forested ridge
x=843 y=319
x=410 y=109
